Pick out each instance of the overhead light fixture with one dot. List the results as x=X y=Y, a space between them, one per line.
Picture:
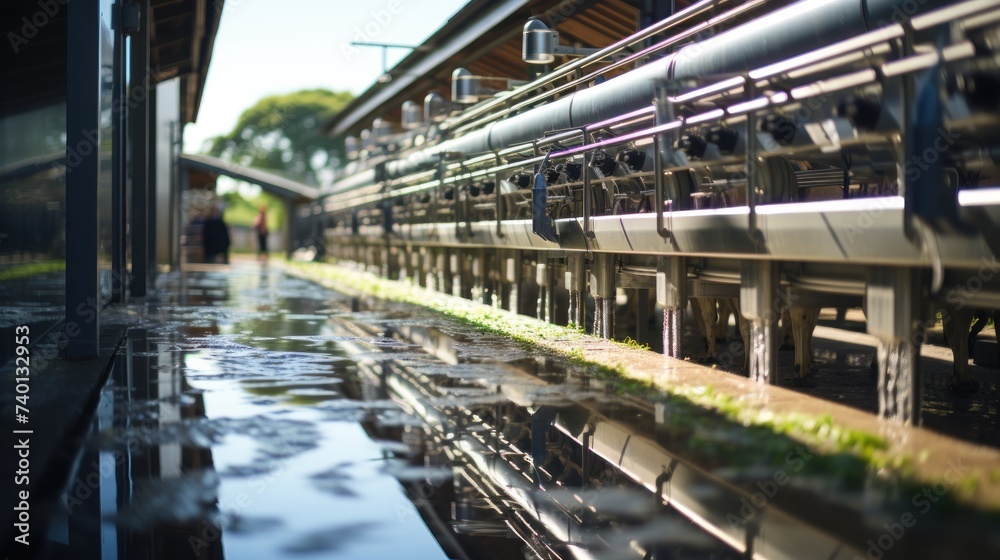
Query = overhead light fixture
x=436 y=109
x=380 y=129
x=464 y=86
x=410 y=115
x=540 y=45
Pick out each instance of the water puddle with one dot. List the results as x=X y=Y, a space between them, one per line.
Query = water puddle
x=271 y=418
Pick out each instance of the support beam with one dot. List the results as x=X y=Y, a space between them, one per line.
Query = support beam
x=545 y=278
x=290 y=227
x=83 y=128
x=893 y=299
x=602 y=287
x=140 y=97
x=672 y=294
x=576 y=283
x=512 y=280
x=760 y=305
x=459 y=277
x=443 y=270
x=151 y=208
x=119 y=141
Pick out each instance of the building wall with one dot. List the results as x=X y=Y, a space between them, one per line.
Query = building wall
x=32 y=176
x=168 y=96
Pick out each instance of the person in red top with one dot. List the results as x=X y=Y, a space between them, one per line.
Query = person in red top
x=260 y=228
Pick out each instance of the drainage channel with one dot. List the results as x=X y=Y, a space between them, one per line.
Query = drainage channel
x=254 y=415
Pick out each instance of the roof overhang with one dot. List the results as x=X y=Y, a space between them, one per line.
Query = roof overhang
x=182 y=36
x=283 y=187
x=181 y=33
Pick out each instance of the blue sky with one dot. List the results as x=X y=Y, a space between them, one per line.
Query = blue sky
x=266 y=47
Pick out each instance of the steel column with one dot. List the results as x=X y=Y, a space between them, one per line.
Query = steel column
x=139 y=114
x=671 y=293
x=83 y=128
x=893 y=298
x=576 y=283
x=603 y=288
x=760 y=304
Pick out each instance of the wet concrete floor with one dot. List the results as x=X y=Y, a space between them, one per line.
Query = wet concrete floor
x=254 y=415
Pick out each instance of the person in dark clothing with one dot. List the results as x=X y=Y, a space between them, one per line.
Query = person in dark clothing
x=260 y=228
x=215 y=237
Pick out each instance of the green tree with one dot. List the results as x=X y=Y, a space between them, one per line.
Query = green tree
x=282 y=133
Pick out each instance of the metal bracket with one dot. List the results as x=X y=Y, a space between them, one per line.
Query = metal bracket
x=126 y=19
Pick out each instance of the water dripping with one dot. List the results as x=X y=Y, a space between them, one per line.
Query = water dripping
x=604 y=317
x=758 y=353
x=542 y=305
x=672 y=332
x=897 y=395
x=515 y=296
x=575 y=317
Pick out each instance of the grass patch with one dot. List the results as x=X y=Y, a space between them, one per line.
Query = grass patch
x=27 y=270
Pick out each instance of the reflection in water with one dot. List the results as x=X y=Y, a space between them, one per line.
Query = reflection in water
x=260 y=416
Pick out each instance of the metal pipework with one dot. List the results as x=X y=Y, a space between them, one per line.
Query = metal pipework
x=633 y=91
x=554 y=115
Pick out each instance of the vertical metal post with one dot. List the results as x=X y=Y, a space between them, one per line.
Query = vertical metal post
x=576 y=283
x=751 y=163
x=603 y=288
x=759 y=303
x=658 y=187
x=139 y=98
x=118 y=159
x=893 y=298
x=672 y=294
x=175 y=200
x=444 y=273
x=498 y=200
x=588 y=196
x=151 y=227
x=290 y=227
x=661 y=145
x=512 y=276
x=83 y=128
